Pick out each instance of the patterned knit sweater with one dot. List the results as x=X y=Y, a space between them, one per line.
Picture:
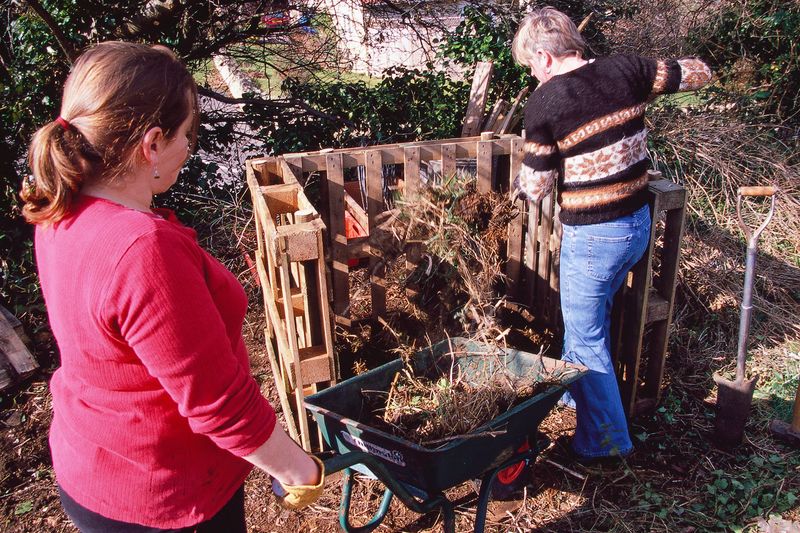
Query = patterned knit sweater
x=585 y=128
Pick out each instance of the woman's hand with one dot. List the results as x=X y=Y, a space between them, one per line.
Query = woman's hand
x=298 y=496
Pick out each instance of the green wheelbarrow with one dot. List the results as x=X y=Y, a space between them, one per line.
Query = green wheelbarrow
x=418 y=475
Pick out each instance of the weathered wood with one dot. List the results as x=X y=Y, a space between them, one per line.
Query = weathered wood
x=633 y=319
x=448 y=161
x=325 y=316
x=373 y=167
x=477 y=98
x=356 y=211
x=531 y=253
x=484 y=164
x=294 y=351
x=544 y=259
x=508 y=121
x=554 y=294
x=297 y=241
x=280 y=384
x=498 y=109
x=657 y=308
x=665 y=286
x=315 y=365
x=514 y=246
x=412 y=184
x=15 y=350
x=338 y=238
x=393 y=154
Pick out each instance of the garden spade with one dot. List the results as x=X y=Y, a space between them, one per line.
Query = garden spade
x=734 y=397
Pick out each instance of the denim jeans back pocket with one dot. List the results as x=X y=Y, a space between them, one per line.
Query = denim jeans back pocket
x=606 y=255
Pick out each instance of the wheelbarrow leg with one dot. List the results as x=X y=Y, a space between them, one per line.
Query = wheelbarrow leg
x=344 y=508
x=483 y=500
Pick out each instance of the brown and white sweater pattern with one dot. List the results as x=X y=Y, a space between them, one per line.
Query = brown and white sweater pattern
x=585 y=129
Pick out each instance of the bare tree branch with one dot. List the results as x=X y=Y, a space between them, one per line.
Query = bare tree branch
x=282 y=104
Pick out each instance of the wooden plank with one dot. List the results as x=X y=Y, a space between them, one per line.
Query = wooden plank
x=357 y=212
x=297 y=241
x=281 y=199
x=325 y=316
x=531 y=255
x=15 y=350
x=309 y=287
x=497 y=109
x=514 y=246
x=255 y=192
x=294 y=357
x=555 y=269
x=411 y=171
x=315 y=365
x=290 y=171
x=477 y=98
x=665 y=286
x=657 y=308
x=298 y=305
x=393 y=154
x=448 y=161
x=373 y=167
x=506 y=124
x=412 y=184
x=280 y=385
x=671 y=195
x=484 y=164
x=338 y=238
x=543 y=262
x=633 y=320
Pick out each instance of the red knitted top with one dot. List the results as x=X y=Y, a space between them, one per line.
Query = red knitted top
x=154 y=402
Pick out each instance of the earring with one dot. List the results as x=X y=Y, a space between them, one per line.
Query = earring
x=155 y=173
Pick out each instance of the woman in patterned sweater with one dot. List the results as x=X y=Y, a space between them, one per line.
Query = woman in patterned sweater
x=585 y=134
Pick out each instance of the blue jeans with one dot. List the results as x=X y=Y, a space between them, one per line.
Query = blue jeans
x=595 y=259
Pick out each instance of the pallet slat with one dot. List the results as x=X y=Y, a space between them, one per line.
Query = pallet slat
x=338 y=238
x=375 y=206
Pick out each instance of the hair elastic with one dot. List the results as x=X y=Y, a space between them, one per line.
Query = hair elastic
x=63 y=123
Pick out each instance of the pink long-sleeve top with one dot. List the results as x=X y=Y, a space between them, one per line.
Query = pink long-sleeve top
x=154 y=403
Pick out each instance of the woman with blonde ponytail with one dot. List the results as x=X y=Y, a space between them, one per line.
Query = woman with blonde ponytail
x=156 y=418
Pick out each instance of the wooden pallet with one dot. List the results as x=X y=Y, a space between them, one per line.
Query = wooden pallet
x=16 y=361
x=291 y=268
x=642 y=309
x=412 y=156
x=533 y=249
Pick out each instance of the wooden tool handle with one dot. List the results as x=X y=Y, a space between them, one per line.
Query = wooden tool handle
x=765 y=190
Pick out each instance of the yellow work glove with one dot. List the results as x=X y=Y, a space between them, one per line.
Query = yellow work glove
x=295 y=497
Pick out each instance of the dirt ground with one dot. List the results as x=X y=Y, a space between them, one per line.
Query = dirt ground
x=667 y=485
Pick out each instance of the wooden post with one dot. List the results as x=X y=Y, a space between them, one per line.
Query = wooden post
x=484 y=162
x=411 y=179
x=338 y=239
x=373 y=167
x=448 y=161
x=674 y=199
x=515 y=227
x=477 y=98
x=543 y=267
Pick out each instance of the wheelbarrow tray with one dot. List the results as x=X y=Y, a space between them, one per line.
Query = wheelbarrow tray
x=339 y=409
